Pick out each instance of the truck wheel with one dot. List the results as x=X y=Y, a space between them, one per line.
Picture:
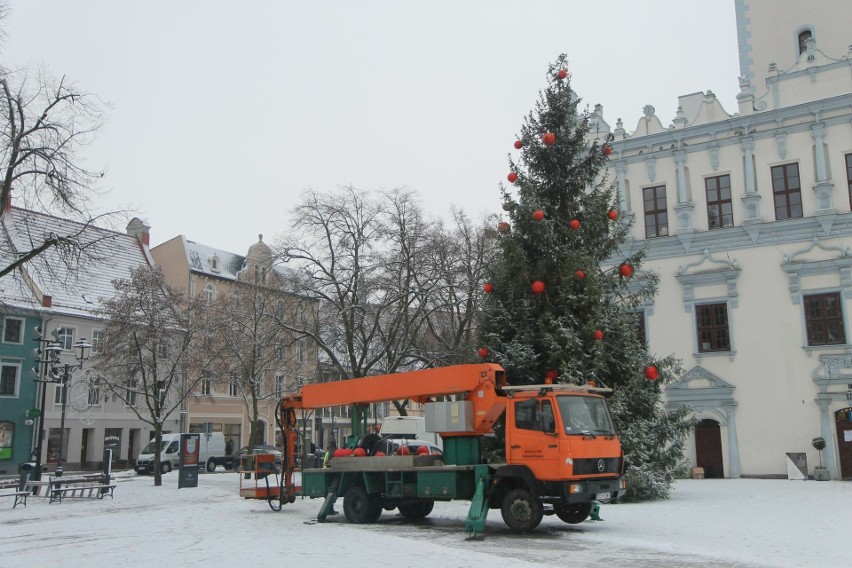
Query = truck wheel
x=574 y=513
x=211 y=465
x=166 y=467
x=521 y=510
x=359 y=507
x=417 y=510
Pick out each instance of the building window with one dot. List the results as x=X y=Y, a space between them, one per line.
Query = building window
x=824 y=319
x=206 y=386
x=656 y=212
x=803 y=38
x=719 y=209
x=9 y=379
x=301 y=353
x=712 y=325
x=233 y=387
x=279 y=386
x=639 y=318
x=96 y=340
x=210 y=292
x=65 y=337
x=787 y=191
x=130 y=395
x=849 y=176
x=13 y=331
x=58 y=393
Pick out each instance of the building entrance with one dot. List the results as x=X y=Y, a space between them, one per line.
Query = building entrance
x=708 y=448
x=843 y=420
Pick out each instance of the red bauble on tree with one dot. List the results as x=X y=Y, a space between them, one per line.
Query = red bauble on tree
x=626 y=270
x=483 y=352
x=548 y=138
x=551 y=374
x=507 y=206
x=503 y=227
x=561 y=74
x=512 y=177
x=573 y=224
x=612 y=214
x=359 y=452
x=488 y=287
x=607 y=149
x=538 y=287
x=651 y=373
x=598 y=335
x=538 y=214
x=580 y=274
x=518 y=144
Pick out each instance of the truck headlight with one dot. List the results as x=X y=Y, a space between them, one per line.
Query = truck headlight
x=575 y=488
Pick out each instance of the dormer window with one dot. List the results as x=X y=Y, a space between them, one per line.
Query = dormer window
x=214 y=263
x=804 y=36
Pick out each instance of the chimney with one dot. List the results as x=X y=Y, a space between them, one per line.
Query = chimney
x=139 y=229
x=46 y=301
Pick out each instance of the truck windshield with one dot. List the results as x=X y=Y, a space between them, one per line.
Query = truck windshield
x=585 y=415
x=149 y=449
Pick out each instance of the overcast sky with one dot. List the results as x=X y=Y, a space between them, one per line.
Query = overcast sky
x=223 y=113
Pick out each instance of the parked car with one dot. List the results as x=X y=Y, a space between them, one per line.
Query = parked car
x=392 y=446
x=258 y=449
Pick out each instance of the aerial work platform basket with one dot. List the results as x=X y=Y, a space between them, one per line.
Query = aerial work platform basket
x=259 y=477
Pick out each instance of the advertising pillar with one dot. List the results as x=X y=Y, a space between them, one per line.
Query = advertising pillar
x=190 y=446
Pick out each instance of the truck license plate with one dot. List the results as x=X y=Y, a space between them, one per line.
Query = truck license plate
x=602 y=496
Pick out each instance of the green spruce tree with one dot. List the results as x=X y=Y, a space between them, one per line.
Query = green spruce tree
x=558 y=303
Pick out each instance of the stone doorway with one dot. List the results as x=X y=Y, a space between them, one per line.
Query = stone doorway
x=708 y=448
x=843 y=421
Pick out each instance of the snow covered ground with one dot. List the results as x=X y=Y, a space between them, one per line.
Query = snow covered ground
x=732 y=523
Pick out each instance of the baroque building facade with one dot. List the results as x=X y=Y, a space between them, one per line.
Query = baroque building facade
x=221 y=402
x=746 y=219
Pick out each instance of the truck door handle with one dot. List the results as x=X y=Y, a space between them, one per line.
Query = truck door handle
x=551 y=445
x=516 y=446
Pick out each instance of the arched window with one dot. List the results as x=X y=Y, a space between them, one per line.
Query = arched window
x=209 y=292
x=803 y=38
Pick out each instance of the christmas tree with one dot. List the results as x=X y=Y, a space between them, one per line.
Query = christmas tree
x=559 y=302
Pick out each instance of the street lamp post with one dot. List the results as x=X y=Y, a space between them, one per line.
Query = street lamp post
x=47 y=356
x=80 y=355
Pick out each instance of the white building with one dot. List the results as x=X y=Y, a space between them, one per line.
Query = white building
x=746 y=220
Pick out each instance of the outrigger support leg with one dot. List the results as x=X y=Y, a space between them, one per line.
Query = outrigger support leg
x=475 y=521
x=595 y=513
x=330 y=498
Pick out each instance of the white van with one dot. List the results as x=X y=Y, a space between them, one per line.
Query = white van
x=211 y=453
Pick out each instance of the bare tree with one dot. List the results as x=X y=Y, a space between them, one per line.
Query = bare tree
x=252 y=348
x=44 y=125
x=459 y=253
x=153 y=333
x=362 y=257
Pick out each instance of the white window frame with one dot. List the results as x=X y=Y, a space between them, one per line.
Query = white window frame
x=130 y=396
x=233 y=387
x=65 y=337
x=59 y=391
x=96 y=339
x=17 y=388
x=206 y=386
x=23 y=330
x=210 y=292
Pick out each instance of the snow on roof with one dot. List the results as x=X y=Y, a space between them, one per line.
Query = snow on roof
x=76 y=290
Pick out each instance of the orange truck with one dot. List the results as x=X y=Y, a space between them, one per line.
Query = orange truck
x=562 y=453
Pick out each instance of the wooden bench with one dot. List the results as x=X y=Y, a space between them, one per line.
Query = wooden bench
x=12 y=488
x=80 y=486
